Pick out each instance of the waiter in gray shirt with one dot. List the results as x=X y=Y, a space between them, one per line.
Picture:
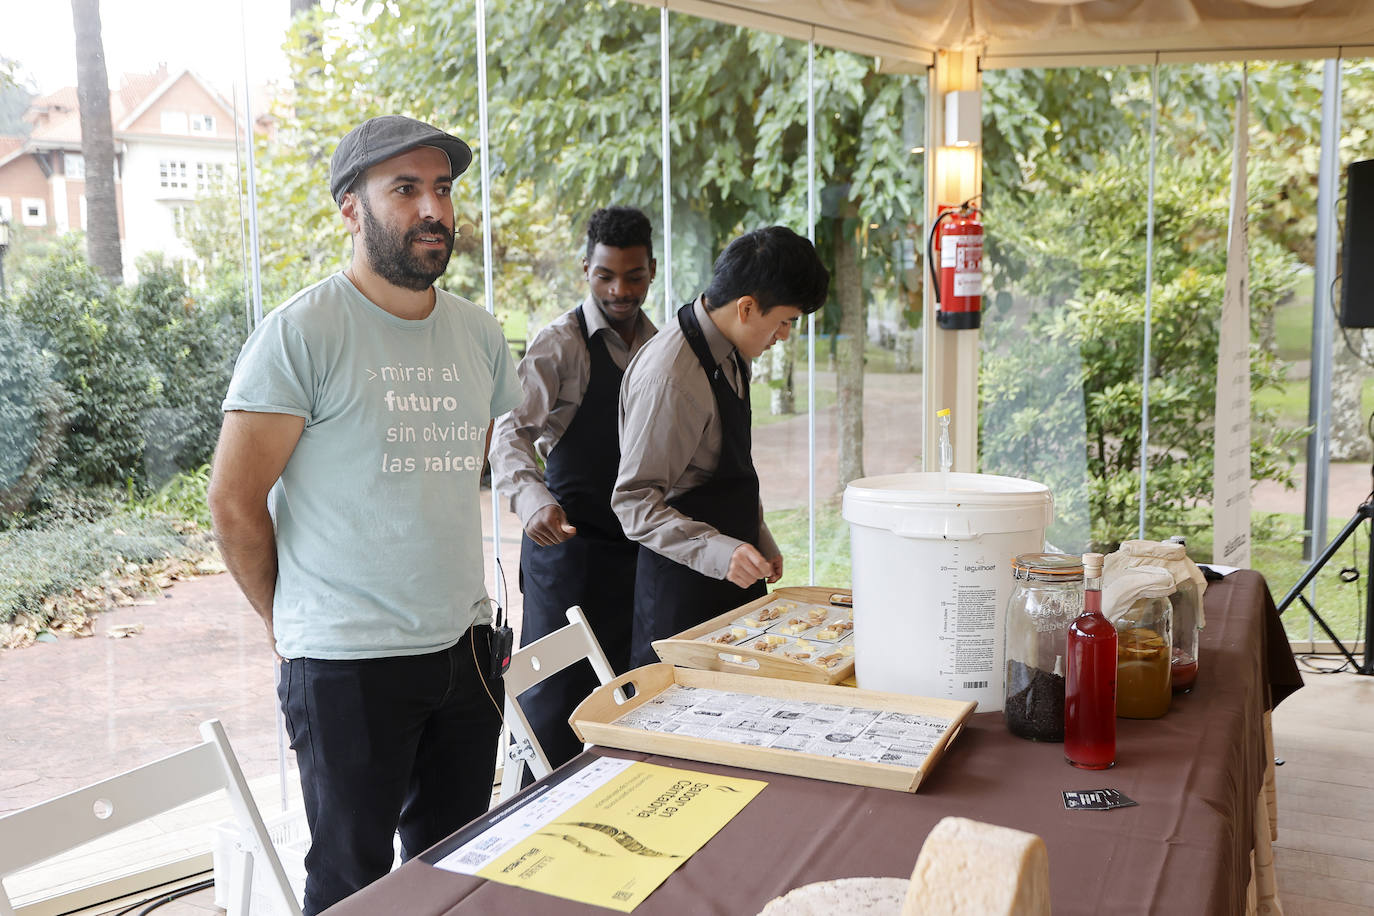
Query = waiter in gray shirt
x=687 y=490
x=557 y=454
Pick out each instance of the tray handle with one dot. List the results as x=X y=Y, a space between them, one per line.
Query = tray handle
x=605 y=706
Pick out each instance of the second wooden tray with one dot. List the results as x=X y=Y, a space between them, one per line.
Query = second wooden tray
x=688 y=650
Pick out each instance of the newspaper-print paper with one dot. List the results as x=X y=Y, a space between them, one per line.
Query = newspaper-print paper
x=828 y=730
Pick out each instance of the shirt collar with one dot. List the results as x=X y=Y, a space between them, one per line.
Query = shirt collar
x=596 y=321
x=719 y=344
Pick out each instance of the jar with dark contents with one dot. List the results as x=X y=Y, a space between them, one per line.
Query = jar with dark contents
x=1047 y=597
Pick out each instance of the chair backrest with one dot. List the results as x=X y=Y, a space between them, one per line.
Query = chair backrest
x=531 y=664
x=48 y=828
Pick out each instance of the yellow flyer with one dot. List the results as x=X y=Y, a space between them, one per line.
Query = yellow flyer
x=620 y=840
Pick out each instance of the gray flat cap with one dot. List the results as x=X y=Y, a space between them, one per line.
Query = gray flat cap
x=378 y=139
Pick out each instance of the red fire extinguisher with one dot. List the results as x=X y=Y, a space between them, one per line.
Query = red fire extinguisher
x=958 y=236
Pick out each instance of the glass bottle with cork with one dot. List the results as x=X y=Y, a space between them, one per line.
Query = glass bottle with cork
x=1090 y=682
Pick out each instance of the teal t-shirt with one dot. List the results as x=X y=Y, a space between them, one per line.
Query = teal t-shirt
x=379 y=532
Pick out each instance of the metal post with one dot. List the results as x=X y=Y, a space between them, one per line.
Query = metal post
x=811 y=319
x=1149 y=290
x=1319 y=384
x=254 y=249
x=488 y=285
x=665 y=112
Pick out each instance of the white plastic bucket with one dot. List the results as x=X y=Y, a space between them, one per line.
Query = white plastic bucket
x=931 y=556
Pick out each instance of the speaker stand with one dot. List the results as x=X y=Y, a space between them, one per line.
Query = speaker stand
x=1363 y=512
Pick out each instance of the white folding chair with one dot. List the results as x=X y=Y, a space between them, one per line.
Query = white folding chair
x=42 y=831
x=529 y=665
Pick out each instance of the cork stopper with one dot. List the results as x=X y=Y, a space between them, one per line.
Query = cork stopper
x=1092 y=565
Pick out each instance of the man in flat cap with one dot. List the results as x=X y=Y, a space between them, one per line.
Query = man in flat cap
x=345 y=500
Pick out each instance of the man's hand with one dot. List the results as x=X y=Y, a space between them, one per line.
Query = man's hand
x=748 y=566
x=549 y=526
x=776 y=563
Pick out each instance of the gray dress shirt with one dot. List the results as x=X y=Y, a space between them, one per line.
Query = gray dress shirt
x=554 y=375
x=670 y=441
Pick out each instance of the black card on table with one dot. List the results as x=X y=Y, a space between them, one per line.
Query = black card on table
x=1095 y=800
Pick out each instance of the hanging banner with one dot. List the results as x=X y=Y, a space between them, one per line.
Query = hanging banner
x=1231 y=468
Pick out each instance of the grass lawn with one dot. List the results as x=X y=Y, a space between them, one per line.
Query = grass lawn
x=1293 y=323
x=761 y=396
x=1277 y=556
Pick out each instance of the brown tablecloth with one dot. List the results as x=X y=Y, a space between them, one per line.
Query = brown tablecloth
x=1185 y=849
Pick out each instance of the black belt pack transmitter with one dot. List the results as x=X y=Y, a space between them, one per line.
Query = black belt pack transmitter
x=502 y=643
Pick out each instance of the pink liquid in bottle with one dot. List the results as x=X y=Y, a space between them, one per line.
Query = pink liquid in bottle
x=1090 y=683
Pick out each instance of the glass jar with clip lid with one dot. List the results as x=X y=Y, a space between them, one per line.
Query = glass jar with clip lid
x=1047 y=597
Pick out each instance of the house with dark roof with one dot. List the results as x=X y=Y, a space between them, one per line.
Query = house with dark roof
x=175 y=140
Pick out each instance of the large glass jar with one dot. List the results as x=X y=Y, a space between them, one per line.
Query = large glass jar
x=1143 y=655
x=1047 y=597
x=1187 y=603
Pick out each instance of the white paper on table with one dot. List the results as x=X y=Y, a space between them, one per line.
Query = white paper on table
x=519 y=822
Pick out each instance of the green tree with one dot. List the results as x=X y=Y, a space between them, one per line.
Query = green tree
x=574 y=113
x=1070 y=367
x=16 y=92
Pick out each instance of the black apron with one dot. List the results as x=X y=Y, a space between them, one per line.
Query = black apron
x=670 y=597
x=594 y=569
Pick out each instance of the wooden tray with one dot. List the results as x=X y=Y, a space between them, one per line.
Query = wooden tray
x=687 y=650
x=594 y=720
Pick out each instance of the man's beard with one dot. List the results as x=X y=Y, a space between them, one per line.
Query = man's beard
x=389 y=253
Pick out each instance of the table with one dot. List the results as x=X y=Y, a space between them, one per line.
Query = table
x=1185 y=849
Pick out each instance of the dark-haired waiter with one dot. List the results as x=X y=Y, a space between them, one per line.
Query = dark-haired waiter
x=687 y=490
x=573 y=550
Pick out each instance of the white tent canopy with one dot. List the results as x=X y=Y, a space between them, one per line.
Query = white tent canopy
x=1040 y=33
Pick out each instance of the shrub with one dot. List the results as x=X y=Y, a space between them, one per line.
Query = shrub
x=31 y=416
x=98 y=359
x=191 y=339
x=37 y=563
x=182 y=497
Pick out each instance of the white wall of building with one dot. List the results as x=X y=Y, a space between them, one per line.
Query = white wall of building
x=149 y=205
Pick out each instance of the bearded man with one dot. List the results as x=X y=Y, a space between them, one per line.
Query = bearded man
x=353 y=526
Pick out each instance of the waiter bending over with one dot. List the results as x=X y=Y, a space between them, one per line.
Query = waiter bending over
x=556 y=455
x=687 y=490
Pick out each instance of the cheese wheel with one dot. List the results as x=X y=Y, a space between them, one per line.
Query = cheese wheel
x=968 y=868
x=841 y=897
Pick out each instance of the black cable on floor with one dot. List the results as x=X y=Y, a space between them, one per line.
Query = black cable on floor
x=151 y=903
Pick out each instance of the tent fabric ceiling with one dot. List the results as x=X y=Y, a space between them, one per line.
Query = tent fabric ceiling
x=1064 y=32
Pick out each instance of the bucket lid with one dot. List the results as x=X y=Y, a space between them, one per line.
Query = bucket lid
x=935 y=504
x=936 y=487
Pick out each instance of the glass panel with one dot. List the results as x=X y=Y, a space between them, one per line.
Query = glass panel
x=1286 y=111
x=870 y=160
x=738 y=112
x=111 y=382
x=575 y=109
x=1064 y=198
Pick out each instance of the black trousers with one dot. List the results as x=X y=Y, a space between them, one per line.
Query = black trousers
x=599 y=576
x=404 y=742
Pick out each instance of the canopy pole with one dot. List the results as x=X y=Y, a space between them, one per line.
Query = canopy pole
x=1323 y=325
x=665 y=111
x=1149 y=291
x=811 y=319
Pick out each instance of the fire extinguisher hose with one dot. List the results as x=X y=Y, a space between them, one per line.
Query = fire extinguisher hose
x=930 y=254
